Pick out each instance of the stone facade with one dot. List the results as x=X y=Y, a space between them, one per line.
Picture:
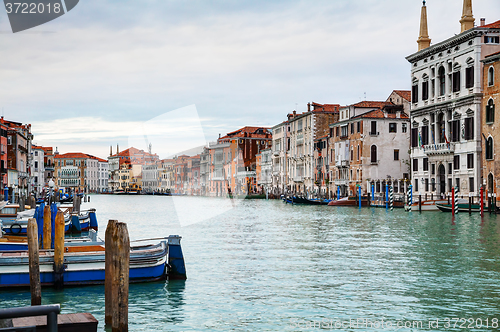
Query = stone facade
x=446 y=112
x=491 y=123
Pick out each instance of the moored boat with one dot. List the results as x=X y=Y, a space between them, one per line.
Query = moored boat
x=461 y=207
x=431 y=205
x=84 y=264
x=349 y=201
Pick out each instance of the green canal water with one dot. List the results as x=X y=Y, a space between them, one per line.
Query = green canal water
x=266 y=266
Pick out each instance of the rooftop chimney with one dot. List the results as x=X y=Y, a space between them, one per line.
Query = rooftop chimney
x=309 y=107
x=294 y=113
x=483 y=21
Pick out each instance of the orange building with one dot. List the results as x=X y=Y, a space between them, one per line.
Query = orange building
x=232 y=161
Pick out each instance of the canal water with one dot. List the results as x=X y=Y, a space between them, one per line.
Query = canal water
x=266 y=266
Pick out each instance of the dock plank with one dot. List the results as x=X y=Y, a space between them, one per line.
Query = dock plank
x=80 y=322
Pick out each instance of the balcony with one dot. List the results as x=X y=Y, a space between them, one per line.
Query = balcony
x=374 y=133
x=342 y=163
x=341 y=182
x=276 y=153
x=439 y=149
x=298 y=178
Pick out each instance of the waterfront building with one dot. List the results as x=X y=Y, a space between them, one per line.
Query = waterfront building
x=103 y=175
x=180 y=174
x=304 y=129
x=447 y=99
x=19 y=140
x=150 y=178
x=193 y=176
x=322 y=159
x=232 y=161
x=130 y=156
x=280 y=148
x=370 y=148
x=77 y=172
x=48 y=163
x=491 y=123
x=3 y=157
x=204 y=170
x=263 y=170
x=166 y=174
x=37 y=169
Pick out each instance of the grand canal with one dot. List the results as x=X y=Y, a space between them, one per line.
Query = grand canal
x=266 y=266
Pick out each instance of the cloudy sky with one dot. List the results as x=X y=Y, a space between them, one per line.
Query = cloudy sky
x=108 y=72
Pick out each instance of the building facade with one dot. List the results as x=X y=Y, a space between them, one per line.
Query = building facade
x=446 y=110
x=37 y=169
x=304 y=129
x=491 y=123
x=370 y=146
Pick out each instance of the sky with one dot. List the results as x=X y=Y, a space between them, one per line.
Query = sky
x=177 y=74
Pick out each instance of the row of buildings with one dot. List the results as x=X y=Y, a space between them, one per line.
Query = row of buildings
x=439 y=135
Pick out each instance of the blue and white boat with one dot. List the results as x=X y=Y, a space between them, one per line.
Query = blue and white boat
x=84 y=264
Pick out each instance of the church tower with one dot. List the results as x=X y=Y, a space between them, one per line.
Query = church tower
x=467 y=20
x=423 y=40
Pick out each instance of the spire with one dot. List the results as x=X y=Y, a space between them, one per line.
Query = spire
x=117 y=149
x=423 y=40
x=110 y=150
x=467 y=20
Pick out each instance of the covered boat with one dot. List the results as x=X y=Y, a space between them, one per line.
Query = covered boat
x=349 y=201
x=84 y=264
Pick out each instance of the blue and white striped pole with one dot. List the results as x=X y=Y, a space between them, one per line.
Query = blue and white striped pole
x=410 y=197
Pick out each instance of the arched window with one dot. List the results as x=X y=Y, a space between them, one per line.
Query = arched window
x=491 y=76
x=489 y=148
x=442 y=81
x=373 y=154
x=490 y=111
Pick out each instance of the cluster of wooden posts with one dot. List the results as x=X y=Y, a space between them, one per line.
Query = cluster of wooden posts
x=117 y=257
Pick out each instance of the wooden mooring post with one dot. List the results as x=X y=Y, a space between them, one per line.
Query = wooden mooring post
x=47 y=228
x=117 y=260
x=59 y=251
x=34 y=263
x=108 y=313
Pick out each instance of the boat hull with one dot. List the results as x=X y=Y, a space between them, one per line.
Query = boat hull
x=349 y=201
x=147 y=263
x=461 y=207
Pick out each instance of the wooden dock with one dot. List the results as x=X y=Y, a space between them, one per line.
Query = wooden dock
x=82 y=322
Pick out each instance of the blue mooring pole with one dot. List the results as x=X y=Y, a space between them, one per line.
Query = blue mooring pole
x=373 y=192
x=176 y=267
x=359 y=194
x=338 y=193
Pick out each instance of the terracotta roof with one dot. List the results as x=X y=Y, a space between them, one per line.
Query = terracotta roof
x=494 y=25
x=72 y=155
x=379 y=114
x=47 y=148
x=325 y=107
x=404 y=93
x=372 y=104
x=132 y=151
x=248 y=131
